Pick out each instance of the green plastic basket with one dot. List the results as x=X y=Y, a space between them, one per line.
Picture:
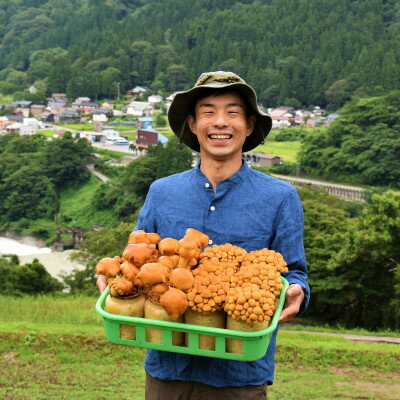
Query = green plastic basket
x=254 y=344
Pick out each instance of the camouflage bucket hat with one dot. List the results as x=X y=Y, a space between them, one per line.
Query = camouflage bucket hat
x=184 y=102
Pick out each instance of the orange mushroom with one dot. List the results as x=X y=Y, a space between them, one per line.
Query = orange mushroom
x=152 y=273
x=174 y=301
x=140 y=253
x=181 y=278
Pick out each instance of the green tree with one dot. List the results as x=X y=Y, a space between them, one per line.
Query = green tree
x=364 y=279
x=65 y=160
x=31 y=278
x=28 y=193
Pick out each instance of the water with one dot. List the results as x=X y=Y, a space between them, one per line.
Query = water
x=27 y=250
x=21 y=248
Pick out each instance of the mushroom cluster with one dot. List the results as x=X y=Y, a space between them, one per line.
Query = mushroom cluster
x=181 y=274
x=159 y=268
x=255 y=286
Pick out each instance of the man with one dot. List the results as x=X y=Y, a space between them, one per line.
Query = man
x=225 y=199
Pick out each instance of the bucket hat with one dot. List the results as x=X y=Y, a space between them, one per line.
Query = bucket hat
x=184 y=102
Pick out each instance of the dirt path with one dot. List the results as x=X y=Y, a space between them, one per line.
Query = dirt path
x=358 y=338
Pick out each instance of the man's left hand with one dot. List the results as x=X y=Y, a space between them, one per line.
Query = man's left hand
x=294 y=298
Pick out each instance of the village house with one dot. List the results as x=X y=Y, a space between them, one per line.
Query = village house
x=328 y=120
x=56 y=107
x=13 y=128
x=138 y=109
x=69 y=115
x=58 y=97
x=138 y=91
x=85 y=107
x=319 y=112
x=108 y=104
x=282 y=117
x=37 y=109
x=99 y=120
x=11 y=118
x=261 y=159
x=144 y=123
x=80 y=100
x=155 y=100
x=148 y=137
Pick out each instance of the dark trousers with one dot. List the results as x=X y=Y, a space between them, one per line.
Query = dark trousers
x=157 y=389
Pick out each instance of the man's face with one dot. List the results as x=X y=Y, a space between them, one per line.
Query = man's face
x=221 y=125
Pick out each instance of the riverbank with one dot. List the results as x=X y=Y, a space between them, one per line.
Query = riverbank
x=27 y=249
x=55 y=262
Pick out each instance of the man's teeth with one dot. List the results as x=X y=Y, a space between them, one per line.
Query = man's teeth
x=220 y=136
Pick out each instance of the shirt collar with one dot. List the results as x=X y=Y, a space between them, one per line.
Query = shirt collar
x=232 y=180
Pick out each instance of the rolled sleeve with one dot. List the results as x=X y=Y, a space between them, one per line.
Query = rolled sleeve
x=288 y=241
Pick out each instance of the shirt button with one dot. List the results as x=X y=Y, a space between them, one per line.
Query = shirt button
x=212 y=208
x=207 y=185
x=210 y=242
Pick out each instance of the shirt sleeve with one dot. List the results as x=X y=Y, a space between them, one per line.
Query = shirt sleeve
x=288 y=241
x=147 y=220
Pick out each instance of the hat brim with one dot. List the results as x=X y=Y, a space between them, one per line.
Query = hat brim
x=183 y=102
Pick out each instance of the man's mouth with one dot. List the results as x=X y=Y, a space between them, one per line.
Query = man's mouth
x=220 y=137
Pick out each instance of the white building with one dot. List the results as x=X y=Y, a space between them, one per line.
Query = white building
x=139 y=109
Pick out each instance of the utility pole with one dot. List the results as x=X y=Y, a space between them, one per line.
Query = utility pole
x=118 y=89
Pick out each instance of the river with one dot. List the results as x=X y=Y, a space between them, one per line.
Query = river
x=27 y=250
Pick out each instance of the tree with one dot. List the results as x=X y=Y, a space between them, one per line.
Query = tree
x=65 y=160
x=362 y=279
x=361 y=145
x=28 y=193
x=138 y=176
x=31 y=278
x=173 y=158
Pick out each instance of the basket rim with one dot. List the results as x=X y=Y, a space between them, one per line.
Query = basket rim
x=184 y=327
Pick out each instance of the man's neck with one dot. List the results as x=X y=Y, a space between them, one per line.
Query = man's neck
x=216 y=170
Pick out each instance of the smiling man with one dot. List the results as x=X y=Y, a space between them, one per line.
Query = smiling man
x=231 y=203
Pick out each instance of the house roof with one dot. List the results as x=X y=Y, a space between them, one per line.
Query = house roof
x=140 y=89
x=88 y=104
x=265 y=156
x=139 y=105
x=281 y=113
x=101 y=110
x=23 y=103
x=15 y=117
x=71 y=113
x=56 y=104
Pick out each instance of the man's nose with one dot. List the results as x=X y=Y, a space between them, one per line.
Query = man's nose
x=220 y=119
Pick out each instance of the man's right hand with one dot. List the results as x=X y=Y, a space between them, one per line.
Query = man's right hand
x=101 y=283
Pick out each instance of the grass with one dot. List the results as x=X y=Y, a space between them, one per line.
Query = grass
x=54 y=348
x=76 y=207
x=287 y=150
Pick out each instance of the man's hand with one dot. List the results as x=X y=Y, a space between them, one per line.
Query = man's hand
x=101 y=283
x=294 y=298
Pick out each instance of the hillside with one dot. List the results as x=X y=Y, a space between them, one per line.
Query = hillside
x=308 y=52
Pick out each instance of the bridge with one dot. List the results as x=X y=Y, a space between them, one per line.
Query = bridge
x=77 y=238
x=349 y=193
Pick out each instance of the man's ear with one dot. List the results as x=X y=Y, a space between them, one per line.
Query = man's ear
x=191 y=121
x=250 y=124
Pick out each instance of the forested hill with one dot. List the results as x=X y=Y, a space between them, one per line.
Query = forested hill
x=295 y=52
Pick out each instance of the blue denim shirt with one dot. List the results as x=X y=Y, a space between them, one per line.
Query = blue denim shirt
x=251 y=210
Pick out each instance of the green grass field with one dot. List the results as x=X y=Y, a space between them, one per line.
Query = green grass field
x=287 y=150
x=54 y=348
